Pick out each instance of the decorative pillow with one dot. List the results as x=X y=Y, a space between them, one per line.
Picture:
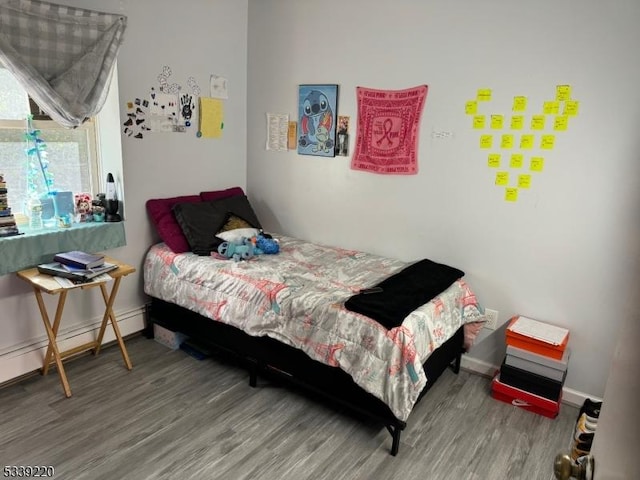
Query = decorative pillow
x=218 y=194
x=200 y=222
x=237 y=234
x=233 y=222
x=161 y=215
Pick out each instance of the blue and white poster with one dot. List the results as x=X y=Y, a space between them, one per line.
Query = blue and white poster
x=317 y=113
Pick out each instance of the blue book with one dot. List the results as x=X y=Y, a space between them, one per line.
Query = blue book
x=79 y=259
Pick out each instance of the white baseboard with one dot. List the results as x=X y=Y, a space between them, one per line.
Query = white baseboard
x=569 y=396
x=28 y=359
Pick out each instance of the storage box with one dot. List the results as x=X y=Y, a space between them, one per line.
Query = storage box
x=525 y=400
x=538 y=364
x=531 y=382
x=167 y=337
x=536 y=345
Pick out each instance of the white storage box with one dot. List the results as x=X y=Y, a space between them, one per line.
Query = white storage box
x=167 y=337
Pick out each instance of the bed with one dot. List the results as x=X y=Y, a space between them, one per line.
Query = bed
x=293 y=315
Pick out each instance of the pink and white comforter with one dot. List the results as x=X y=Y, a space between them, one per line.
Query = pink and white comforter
x=297 y=297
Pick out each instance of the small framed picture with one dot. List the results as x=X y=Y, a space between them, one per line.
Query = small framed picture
x=317 y=110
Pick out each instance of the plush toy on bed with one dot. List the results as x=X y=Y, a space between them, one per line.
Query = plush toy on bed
x=243 y=250
x=266 y=243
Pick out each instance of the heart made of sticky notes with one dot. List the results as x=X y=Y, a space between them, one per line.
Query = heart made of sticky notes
x=518 y=143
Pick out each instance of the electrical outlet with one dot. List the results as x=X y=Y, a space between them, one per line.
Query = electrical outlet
x=492 y=319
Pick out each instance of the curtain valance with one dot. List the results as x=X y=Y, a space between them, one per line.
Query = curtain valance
x=62 y=56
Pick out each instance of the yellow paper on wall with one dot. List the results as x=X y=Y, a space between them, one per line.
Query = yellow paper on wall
x=519 y=104
x=507 y=141
x=563 y=92
x=537 y=122
x=497 y=122
x=571 y=107
x=526 y=141
x=494 y=160
x=502 y=178
x=471 y=107
x=537 y=164
x=561 y=122
x=511 y=194
x=211 y=117
x=486 y=141
x=516 y=160
x=478 y=122
x=524 y=181
x=517 y=122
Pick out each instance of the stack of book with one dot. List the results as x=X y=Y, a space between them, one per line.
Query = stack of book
x=77 y=266
x=534 y=369
x=8 y=227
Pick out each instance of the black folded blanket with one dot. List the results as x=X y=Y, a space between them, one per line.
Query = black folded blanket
x=390 y=301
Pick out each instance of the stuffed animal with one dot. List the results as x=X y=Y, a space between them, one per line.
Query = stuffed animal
x=267 y=243
x=237 y=251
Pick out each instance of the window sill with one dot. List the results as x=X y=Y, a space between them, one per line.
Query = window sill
x=34 y=247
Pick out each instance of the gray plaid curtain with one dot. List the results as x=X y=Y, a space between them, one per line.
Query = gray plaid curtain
x=62 y=56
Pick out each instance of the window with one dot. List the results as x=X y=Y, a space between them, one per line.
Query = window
x=72 y=153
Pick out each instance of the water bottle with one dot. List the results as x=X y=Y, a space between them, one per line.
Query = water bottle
x=35 y=213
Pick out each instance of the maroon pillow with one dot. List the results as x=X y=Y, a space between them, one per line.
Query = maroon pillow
x=218 y=194
x=161 y=214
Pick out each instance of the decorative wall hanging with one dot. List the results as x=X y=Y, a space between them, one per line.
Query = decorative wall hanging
x=317 y=107
x=387 y=132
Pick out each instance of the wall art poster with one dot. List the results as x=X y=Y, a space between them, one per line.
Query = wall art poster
x=317 y=107
x=387 y=130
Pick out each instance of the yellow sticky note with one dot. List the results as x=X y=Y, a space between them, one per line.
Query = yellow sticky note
x=561 y=123
x=526 y=141
x=486 y=141
x=502 y=178
x=478 y=122
x=563 y=92
x=507 y=141
x=516 y=160
x=517 y=121
x=524 y=180
x=551 y=107
x=537 y=122
x=211 y=117
x=496 y=122
x=519 y=104
x=494 y=160
x=484 y=94
x=571 y=107
x=471 y=107
x=537 y=164
x=511 y=194
x=547 y=142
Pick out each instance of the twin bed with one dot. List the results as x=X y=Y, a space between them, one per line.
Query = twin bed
x=293 y=315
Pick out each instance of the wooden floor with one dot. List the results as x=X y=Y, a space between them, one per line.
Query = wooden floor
x=174 y=417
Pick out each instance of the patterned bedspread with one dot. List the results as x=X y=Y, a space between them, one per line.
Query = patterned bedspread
x=297 y=297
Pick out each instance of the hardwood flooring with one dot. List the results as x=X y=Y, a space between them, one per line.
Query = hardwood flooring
x=175 y=417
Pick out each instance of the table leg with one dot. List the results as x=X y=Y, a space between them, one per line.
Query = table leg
x=52 y=349
x=109 y=316
x=56 y=324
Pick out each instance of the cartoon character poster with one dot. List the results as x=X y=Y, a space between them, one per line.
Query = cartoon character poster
x=317 y=110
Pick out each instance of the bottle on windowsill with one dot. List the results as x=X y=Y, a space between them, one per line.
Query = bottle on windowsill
x=34 y=210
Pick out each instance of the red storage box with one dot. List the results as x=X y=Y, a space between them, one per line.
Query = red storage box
x=532 y=344
x=525 y=400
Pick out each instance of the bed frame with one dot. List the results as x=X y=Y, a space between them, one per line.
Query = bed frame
x=275 y=360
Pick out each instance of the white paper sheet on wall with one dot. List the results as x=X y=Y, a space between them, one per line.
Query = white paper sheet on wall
x=277 y=130
x=218 y=87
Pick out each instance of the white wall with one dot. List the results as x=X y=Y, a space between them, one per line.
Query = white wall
x=196 y=38
x=560 y=252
